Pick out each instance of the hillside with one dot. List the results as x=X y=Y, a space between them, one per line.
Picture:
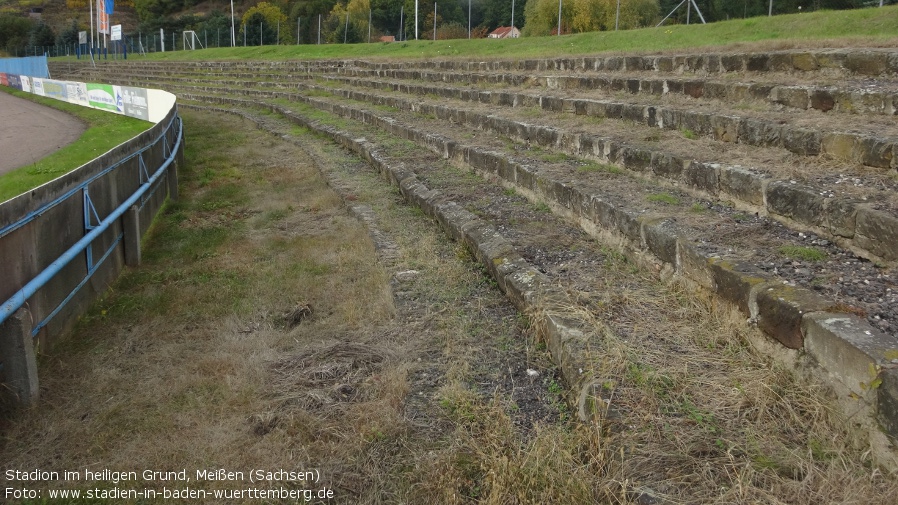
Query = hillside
x=352 y=21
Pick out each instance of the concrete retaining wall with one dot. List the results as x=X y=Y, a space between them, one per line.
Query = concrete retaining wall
x=53 y=217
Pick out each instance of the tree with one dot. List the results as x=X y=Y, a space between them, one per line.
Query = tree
x=14 y=32
x=335 y=28
x=266 y=17
x=633 y=13
x=256 y=30
x=308 y=11
x=69 y=36
x=358 y=22
x=542 y=17
x=497 y=13
x=154 y=9
x=218 y=28
x=41 y=35
x=385 y=15
x=588 y=15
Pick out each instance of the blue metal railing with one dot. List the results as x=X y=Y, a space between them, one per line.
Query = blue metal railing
x=93 y=231
x=65 y=196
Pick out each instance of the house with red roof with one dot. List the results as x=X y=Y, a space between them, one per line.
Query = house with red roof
x=505 y=32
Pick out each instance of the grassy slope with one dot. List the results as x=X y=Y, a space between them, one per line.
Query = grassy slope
x=105 y=131
x=875 y=27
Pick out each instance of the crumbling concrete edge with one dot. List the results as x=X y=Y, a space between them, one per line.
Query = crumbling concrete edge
x=848 y=61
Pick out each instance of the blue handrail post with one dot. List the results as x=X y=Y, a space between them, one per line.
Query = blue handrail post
x=19 y=362
x=131 y=229
x=173 y=171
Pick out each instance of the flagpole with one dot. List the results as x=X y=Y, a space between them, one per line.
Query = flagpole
x=90 y=40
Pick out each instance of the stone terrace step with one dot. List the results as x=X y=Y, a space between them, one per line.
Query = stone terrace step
x=854 y=142
x=867 y=62
x=853 y=98
x=855 y=224
x=699 y=232
x=869 y=148
x=796 y=317
x=843 y=344
x=857 y=97
x=695 y=233
x=872 y=62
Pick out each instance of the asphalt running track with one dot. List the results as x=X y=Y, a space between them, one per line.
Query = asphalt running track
x=29 y=132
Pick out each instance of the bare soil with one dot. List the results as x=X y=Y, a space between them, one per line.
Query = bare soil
x=30 y=131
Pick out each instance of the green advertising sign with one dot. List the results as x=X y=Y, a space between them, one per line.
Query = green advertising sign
x=105 y=96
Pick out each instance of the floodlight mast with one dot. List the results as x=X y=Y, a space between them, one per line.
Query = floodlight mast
x=559 y=18
x=233 y=36
x=512 y=16
x=617 y=16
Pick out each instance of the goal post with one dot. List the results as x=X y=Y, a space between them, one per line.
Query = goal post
x=190 y=40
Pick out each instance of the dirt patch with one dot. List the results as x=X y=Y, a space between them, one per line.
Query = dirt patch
x=31 y=131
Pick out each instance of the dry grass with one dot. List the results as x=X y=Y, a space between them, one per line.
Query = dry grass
x=172 y=369
x=189 y=363
x=491 y=462
x=701 y=417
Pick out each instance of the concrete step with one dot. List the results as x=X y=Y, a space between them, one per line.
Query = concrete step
x=852 y=221
x=704 y=249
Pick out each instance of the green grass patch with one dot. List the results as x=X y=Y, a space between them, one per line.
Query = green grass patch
x=554 y=157
x=689 y=134
x=105 y=130
x=875 y=26
x=542 y=207
x=665 y=198
x=802 y=253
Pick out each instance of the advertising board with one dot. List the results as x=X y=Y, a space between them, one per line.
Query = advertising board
x=105 y=96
